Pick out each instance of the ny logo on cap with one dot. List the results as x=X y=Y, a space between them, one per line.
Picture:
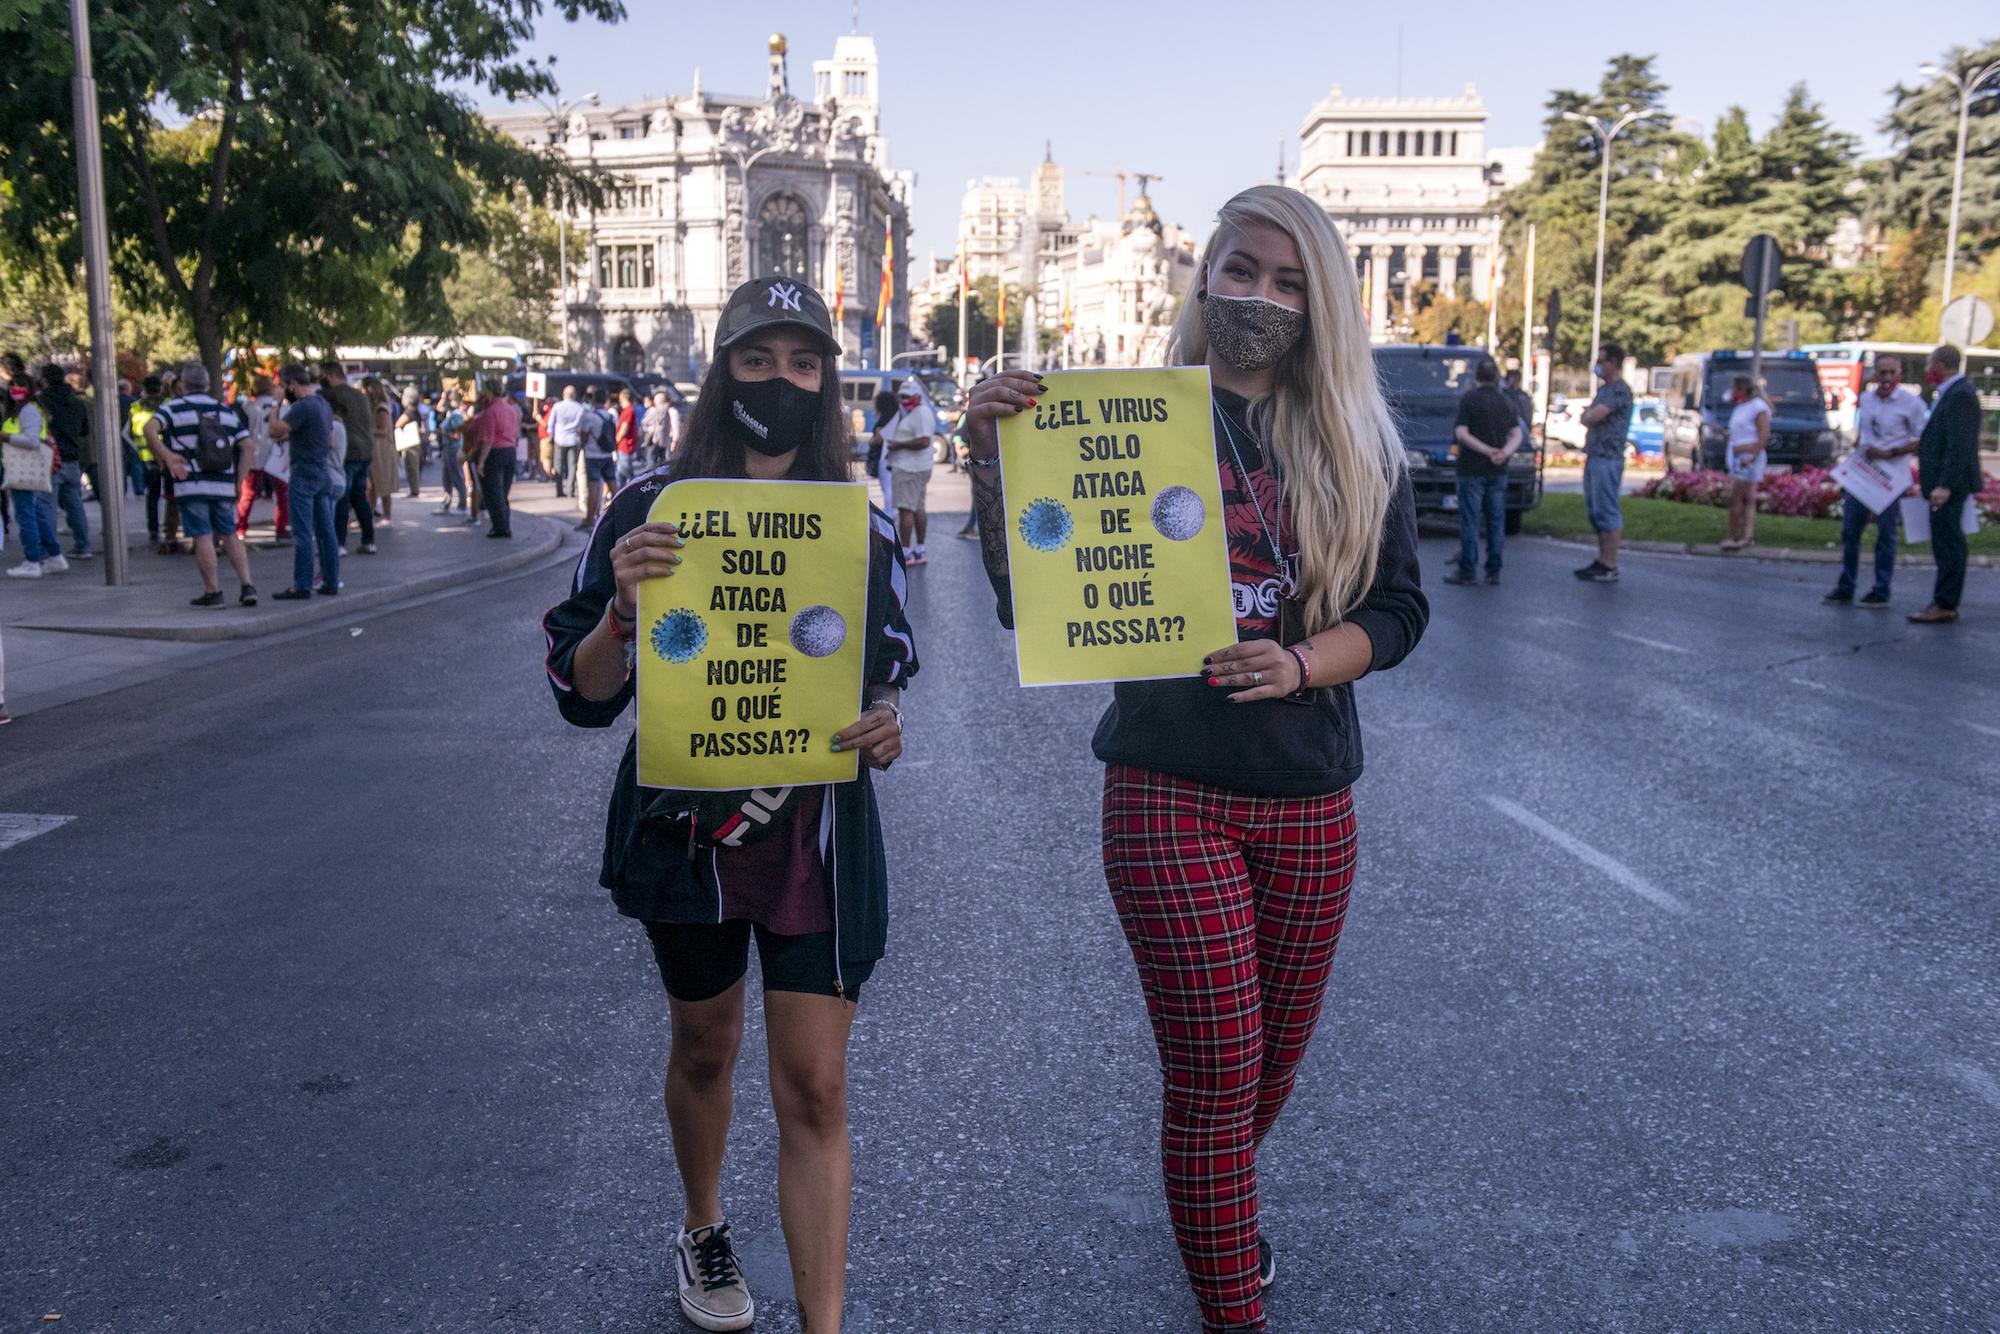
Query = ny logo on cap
x=784 y=294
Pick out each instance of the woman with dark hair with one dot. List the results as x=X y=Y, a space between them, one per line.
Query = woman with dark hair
x=811 y=886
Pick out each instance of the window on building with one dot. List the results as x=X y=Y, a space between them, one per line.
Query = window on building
x=784 y=238
x=625 y=266
x=1437 y=143
x=628 y=132
x=1367 y=141
x=1402 y=143
x=855 y=84
x=1420 y=143
x=1454 y=143
x=1382 y=143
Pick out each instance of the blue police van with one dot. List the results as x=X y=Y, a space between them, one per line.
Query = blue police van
x=1698 y=407
x=1423 y=384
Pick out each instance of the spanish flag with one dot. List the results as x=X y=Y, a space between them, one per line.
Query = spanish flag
x=888 y=277
x=839 y=298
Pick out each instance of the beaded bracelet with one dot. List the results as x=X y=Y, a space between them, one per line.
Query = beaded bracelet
x=1305 y=671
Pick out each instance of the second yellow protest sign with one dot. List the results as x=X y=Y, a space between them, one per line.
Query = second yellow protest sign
x=1114 y=528
x=751 y=653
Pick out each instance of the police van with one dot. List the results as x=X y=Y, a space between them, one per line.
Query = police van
x=1423 y=385
x=1698 y=407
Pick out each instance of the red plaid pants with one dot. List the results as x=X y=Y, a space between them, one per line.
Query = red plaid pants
x=1232 y=904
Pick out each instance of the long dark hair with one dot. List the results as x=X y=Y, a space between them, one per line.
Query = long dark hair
x=707 y=450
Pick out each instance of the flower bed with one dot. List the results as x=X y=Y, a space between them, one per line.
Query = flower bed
x=1808 y=493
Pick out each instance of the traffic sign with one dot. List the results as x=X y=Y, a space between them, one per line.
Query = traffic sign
x=1761 y=263
x=1966 y=322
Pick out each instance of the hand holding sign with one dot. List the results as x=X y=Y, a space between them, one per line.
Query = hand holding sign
x=752 y=606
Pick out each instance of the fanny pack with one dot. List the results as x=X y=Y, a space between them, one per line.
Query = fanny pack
x=721 y=819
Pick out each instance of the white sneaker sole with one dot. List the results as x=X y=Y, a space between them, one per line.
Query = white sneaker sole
x=709 y=1320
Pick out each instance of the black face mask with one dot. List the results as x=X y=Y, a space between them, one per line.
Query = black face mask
x=771 y=416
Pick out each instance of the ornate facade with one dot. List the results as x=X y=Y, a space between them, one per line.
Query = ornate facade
x=1413 y=190
x=707 y=191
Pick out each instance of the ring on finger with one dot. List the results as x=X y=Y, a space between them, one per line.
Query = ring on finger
x=1256 y=678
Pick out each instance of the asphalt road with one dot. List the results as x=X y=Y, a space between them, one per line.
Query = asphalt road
x=1667 y=1001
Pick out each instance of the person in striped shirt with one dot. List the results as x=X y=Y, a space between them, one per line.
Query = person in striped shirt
x=204 y=444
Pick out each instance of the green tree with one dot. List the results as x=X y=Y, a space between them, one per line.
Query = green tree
x=1560 y=199
x=507 y=285
x=1910 y=189
x=981 y=303
x=1437 y=316
x=297 y=178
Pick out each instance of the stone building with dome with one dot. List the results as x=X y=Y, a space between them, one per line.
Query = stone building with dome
x=1124 y=278
x=710 y=189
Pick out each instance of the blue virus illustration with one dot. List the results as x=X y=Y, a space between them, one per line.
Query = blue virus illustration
x=818 y=632
x=680 y=636
x=1178 y=513
x=1046 y=525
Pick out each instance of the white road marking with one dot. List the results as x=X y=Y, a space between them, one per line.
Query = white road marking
x=1583 y=852
x=20 y=828
x=1983 y=1085
x=1659 y=644
x=1824 y=688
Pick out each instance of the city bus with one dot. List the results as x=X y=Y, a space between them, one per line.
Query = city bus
x=1846 y=369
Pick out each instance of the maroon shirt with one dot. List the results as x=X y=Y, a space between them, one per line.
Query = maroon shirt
x=780 y=881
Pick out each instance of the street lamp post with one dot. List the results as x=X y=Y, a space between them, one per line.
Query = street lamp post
x=1968 y=86
x=559 y=113
x=97 y=280
x=1604 y=137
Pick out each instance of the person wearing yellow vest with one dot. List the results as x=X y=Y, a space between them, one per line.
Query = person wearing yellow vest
x=25 y=429
x=159 y=486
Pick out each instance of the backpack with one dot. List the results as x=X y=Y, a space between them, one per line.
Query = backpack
x=214 y=449
x=607 y=431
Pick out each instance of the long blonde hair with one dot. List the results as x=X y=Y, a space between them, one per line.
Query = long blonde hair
x=1324 y=422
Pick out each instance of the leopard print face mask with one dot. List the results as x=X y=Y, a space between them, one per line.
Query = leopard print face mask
x=1250 y=332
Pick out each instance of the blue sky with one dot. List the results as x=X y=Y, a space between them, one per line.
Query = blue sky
x=1203 y=94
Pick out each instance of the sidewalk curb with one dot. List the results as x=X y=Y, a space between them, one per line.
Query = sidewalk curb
x=548 y=537
x=1774 y=555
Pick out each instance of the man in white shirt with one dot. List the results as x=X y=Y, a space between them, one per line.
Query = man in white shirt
x=909 y=453
x=566 y=421
x=1887 y=421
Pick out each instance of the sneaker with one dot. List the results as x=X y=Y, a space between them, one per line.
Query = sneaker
x=248 y=597
x=1492 y=577
x=921 y=550
x=207 y=600
x=291 y=595
x=1598 y=574
x=27 y=569
x=83 y=555
x=1460 y=575
x=1876 y=600
x=713 y=1292
x=326 y=590
x=5 y=717
x=366 y=549
x=54 y=565
x=1592 y=570
x=1840 y=597
x=1267 y=1264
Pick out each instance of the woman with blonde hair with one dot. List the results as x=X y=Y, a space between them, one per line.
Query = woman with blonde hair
x=1229 y=837
x=1749 y=454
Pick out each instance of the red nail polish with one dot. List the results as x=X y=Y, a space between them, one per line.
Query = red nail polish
x=1031 y=402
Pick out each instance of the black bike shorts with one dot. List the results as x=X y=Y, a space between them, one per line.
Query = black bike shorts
x=700 y=961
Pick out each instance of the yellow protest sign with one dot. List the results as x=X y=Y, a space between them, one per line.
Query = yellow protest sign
x=751 y=653
x=1114 y=528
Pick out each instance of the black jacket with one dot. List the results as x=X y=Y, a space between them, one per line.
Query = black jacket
x=1948 y=450
x=69 y=422
x=650 y=866
x=1277 y=747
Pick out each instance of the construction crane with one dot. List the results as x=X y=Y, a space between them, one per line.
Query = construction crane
x=1122 y=175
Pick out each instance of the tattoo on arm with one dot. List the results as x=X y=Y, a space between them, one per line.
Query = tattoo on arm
x=991 y=507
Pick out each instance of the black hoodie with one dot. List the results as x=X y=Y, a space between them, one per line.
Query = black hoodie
x=1276 y=747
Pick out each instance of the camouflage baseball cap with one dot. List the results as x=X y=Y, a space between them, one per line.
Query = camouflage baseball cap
x=763 y=302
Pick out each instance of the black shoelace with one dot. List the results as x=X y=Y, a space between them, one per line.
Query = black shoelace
x=715 y=1261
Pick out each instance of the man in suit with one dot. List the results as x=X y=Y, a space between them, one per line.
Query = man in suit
x=1948 y=472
